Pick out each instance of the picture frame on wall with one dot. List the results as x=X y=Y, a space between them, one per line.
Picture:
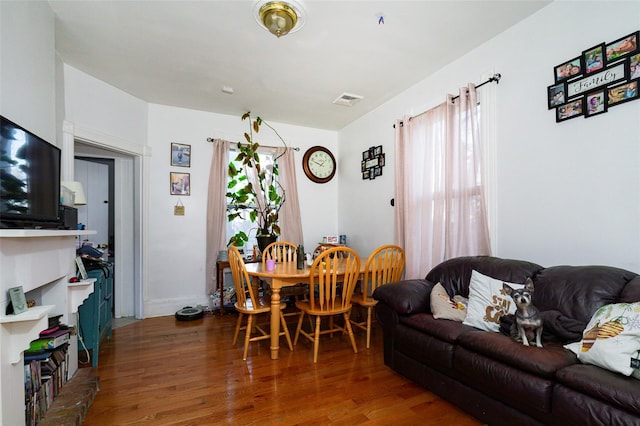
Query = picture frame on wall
x=622 y=47
x=605 y=75
x=634 y=66
x=180 y=183
x=596 y=103
x=593 y=59
x=566 y=70
x=180 y=155
x=622 y=93
x=556 y=95
x=571 y=109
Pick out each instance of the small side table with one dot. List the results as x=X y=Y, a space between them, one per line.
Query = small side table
x=221 y=265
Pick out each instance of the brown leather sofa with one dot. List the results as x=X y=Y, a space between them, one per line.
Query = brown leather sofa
x=490 y=375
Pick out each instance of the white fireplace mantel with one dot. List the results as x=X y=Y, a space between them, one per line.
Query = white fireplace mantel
x=41 y=261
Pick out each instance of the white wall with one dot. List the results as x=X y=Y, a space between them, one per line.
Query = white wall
x=27 y=67
x=568 y=193
x=27 y=96
x=93 y=104
x=177 y=244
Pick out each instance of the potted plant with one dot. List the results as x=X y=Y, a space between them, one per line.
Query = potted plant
x=261 y=197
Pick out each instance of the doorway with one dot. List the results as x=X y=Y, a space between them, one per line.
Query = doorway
x=97 y=177
x=115 y=216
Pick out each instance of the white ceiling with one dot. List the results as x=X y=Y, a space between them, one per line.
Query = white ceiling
x=182 y=53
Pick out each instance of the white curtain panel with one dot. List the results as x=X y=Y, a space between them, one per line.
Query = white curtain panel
x=440 y=208
x=290 y=221
x=216 y=208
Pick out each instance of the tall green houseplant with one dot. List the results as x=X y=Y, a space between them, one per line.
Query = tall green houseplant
x=262 y=204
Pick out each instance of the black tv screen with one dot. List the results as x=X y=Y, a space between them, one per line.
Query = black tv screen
x=29 y=179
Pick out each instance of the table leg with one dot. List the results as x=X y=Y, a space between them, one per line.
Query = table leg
x=275 y=320
x=220 y=282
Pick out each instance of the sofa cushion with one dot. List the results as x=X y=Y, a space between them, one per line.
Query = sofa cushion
x=612 y=339
x=488 y=302
x=556 y=327
x=539 y=361
x=449 y=331
x=578 y=291
x=406 y=297
x=521 y=390
x=602 y=385
x=631 y=292
x=445 y=307
x=423 y=347
x=455 y=274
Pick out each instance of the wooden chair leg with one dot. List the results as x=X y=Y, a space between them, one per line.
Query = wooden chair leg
x=247 y=337
x=316 y=340
x=238 y=324
x=295 y=339
x=286 y=330
x=331 y=325
x=369 y=326
x=350 y=331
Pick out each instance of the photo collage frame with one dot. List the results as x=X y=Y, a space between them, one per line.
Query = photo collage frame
x=603 y=76
x=372 y=163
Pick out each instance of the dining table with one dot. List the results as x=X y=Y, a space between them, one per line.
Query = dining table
x=283 y=275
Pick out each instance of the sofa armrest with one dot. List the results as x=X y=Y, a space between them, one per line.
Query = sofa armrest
x=406 y=297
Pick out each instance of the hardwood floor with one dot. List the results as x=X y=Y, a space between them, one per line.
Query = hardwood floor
x=160 y=371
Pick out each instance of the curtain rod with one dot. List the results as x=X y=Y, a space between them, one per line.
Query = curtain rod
x=496 y=77
x=266 y=146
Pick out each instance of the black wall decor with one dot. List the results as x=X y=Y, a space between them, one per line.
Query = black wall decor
x=603 y=76
x=372 y=162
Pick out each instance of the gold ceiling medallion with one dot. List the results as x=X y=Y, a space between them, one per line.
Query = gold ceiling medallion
x=279 y=17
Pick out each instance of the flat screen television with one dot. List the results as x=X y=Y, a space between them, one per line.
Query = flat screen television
x=29 y=179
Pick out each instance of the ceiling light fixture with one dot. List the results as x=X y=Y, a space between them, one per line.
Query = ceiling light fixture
x=279 y=17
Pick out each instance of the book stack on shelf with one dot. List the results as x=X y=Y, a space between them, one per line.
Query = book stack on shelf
x=46 y=369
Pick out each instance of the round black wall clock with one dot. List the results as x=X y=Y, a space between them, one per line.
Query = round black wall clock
x=319 y=164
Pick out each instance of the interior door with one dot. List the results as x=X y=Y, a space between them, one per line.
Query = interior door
x=95 y=214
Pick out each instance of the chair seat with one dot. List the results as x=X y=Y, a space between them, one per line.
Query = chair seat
x=264 y=305
x=363 y=301
x=305 y=305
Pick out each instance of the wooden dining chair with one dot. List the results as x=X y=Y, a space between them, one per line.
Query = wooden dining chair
x=338 y=265
x=285 y=251
x=280 y=251
x=385 y=265
x=322 y=247
x=250 y=304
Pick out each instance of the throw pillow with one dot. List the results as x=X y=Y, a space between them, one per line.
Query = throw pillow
x=443 y=307
x=611 y=339
x=488 y=302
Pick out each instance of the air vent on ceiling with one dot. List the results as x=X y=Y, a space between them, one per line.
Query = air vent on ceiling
x=347 y=99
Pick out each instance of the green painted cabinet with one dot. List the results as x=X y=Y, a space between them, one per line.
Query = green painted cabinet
x=96 y=313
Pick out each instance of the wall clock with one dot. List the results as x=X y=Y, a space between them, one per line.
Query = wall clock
x=319 y=164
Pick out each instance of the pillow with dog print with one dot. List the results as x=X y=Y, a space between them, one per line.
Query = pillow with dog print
x=611 y=339
x=488 y=302
x=443 y=307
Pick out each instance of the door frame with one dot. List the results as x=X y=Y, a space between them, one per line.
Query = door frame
x=129 y=192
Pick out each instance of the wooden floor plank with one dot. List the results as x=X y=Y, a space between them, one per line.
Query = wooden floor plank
x=160 y=371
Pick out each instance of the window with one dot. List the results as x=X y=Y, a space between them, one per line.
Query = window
x=243 y=223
